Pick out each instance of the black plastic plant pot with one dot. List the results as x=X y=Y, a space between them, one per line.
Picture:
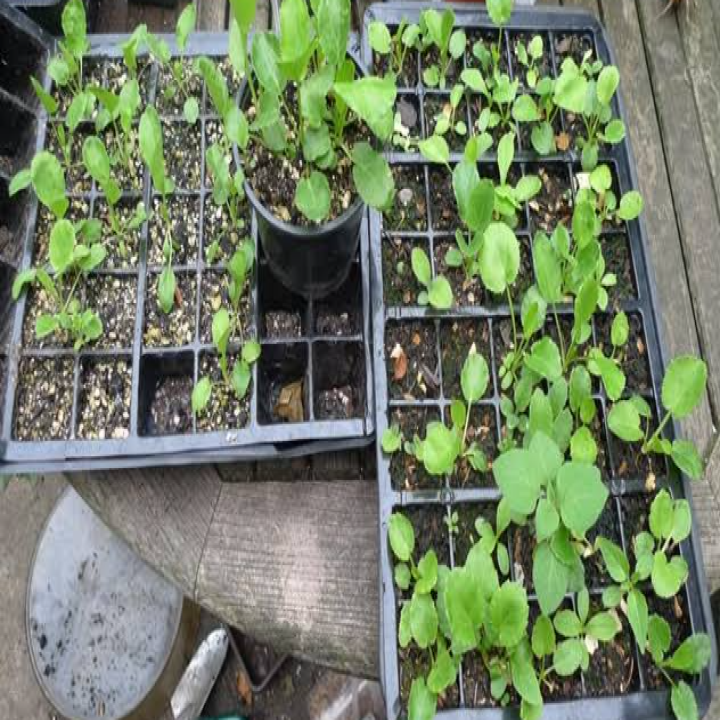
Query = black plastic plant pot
x=310 y=261
x=311 y=388
x=48 y=13
x=418 y=385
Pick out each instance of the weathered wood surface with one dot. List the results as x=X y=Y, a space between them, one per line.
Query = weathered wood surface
x=296 y=564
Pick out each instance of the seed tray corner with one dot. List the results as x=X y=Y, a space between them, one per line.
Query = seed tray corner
x=448 y=331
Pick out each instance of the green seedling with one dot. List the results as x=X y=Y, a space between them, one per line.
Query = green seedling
x=437 y=292
x=530 y=56
x=69 y=262
x=683 y=388
x=394 y=47
x=437 y=31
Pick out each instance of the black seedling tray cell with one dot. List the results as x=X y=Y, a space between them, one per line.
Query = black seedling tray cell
x=395 y=310
x=329 y=352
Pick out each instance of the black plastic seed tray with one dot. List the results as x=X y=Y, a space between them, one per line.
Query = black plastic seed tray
x=436 y=344
x=145 y=365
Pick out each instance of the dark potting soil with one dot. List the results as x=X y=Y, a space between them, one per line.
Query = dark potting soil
x=675 y=613
x=282 y=324
x=233 y=79
x=413 y=372
x=213 y=296
x=482 y=430
x=633 y=356
x=77 y=179
x=121 y=252
x=168 y=98
x=407 y=107
x=431 y=532
x=43 y=404
x=406 y=472
x=117 y=76
x=456 y=339
x=224 y=411
x=467 y=291
x=333 y=323
x=414 y=663
x=597 y=429
x=408 y=76
x=575 y=46
x=177 y=328
x=477 y=104
x=523 y=547
x=114 y=298
x=476 y=682
x=130 y=176
x=219 y=232
x=170 y=411
x=104 y=400
x=431 y=57
x=409 y=211
x=400 y=286
x=618 y=261
x=437 y=107
x=467 y=535
x=552 y=206
x=184 y=213
x=182 y=150
x=442 y=201
x=39 y=303
x=336 y=404
x=486 y=38
x=613 y=669
x=544 y=67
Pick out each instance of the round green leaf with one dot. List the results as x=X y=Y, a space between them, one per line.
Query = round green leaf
x=435 y=149
x=499 y=257
x=509 y=613
x=550 y=578
x=423 y=620
x=422 y=703
x=474 y=377
x=402 y=537
x=62 y=244
x=631 y=205
x=581 y=495
x=372 y=176
x=624 y=421
x=312 y=197
x=686 y=457
x=379 y=37
x=201 y=395
x=567 y=657
x=683 y=385
x=683 y=702
x=607 y=84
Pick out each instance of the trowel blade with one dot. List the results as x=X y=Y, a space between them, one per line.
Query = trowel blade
x=198 y=680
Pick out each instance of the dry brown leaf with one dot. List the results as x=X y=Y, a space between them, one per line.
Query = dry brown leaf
x=290 y=403
x=562 y=140
x=400 y=363
x=178 y=296
x=242 y=683
x=640 y=346
x=416 y=339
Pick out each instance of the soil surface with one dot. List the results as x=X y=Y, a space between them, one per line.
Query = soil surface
x=487 y=38
x=218 y=228
x=177 y=328
x=633 y=356
x=77 y=179
x=114 y=298
x=409 y=210
x=466 y=535
x=553 y=204
x=442 y=201
x=406 y=472
x=44 y=399
x=456 y=340
x=414 y=663
x=618 y=260
x=224 y=411
x=607 y=526
x=129 y=177
x=184 y=213
x=437 y=106
x=282 y=324
x=182 y=151
x=543 y=67
x=408 y=76
x=483 y=431
x=104 y=400
x=169 y=411
x=122 y=253
x=431 y=57
x=467 y=291
x=675 y=612
x=400 y=286
x=414 y=373
x=523 y=547
x=336 y=404
x=574 y=46
x=168 y=98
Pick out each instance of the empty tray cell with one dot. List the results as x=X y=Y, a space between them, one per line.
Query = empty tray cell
x=131 y=173
x=169 y=97
x=225 y=410
x=20 y=57
x=114 y=298
x=541 y=68
x=619 y=262
x=283 y=315
x=183 y=148
x=104 y=397
x=468 y=291
x=443 y=208
x=409 y=210
x=633 y=356
x=406 y=472
x=221 y=237
x=574 y=45
x=553 y=205
x=12 y=224
x=340 y=314
x=77 y=178
x=439 y=110
x=166 y=384
x=17 y=137
x=283 y=392
x=338 y=380
x=43 y=403
x=407 y=106
x=400 y=286
x=184 y=230
x=213 y=296
x=411 y=360
x=117 y=75
x=123 y=248
x=178 y=327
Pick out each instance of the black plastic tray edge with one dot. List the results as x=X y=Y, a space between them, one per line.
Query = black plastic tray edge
x=212 y=445
x=649 y=704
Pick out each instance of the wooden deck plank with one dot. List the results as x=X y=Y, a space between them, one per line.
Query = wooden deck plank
x=589 y=5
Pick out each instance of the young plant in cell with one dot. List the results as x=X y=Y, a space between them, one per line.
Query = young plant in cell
x=682 y=390
x=596 y=189
x=47 y=179
x=437 y=291
x=179 y=86
x=151 y=149
x=446 y=121
x=73 y=254
x=529 y=56
x=587 y=91
x=394 y=46
x=438 y=33
x=227 y=331
x=97 y=163
x=309 y=102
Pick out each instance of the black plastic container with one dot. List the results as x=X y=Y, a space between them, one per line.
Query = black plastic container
x=451 y=331
x=48 y=13
x=327 y=351
x=312 y=262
